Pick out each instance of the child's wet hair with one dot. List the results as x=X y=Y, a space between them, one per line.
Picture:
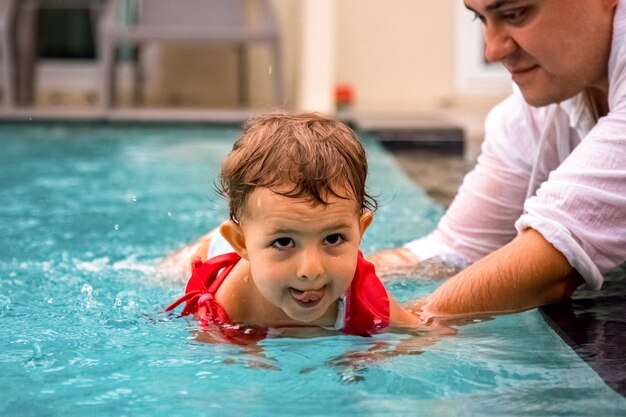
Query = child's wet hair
x=313 y=155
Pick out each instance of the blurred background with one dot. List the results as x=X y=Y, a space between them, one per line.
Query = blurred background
x=400 y=66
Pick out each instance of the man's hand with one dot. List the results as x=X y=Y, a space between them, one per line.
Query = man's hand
x=390 y=262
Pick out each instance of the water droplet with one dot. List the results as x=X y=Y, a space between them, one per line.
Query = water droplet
x=134 y=199
x=169 y=214
x=117 y=227
x=117 y=306
x=87 y=289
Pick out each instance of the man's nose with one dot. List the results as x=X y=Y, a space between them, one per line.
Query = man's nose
x=498 y=43
x=310 y=265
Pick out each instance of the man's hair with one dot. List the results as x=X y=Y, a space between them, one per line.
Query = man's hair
x=305 y=155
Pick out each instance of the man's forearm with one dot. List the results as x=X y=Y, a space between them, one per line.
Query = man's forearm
x=527 y=272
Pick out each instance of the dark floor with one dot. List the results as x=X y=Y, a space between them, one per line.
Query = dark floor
x=593 y=323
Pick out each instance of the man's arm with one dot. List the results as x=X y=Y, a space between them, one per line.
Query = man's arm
x=527 y=272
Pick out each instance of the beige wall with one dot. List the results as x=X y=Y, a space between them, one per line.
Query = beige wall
x=397 y=54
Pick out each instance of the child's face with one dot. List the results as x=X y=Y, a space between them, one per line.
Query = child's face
x=302 y=256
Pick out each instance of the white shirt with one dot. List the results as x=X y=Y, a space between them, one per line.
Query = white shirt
x=553 y=169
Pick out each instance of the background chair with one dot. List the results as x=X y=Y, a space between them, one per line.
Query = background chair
x=27 y=15
x=239 y=23
x=7 y=51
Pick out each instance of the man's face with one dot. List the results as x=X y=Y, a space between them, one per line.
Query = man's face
x=554 y=49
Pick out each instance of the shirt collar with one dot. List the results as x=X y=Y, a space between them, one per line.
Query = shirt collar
x=579 y=113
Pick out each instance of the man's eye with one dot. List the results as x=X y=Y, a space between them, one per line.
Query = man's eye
x=334 y=239
x=479 y=17
x=515 y=16
x=283 y=243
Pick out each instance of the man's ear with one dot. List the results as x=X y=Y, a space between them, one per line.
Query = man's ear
x=365 y=221
x=233 y=234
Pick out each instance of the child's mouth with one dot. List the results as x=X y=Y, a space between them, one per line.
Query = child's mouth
x=307 y=298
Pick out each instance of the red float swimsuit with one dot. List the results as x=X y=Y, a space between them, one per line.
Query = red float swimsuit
x=366 y=308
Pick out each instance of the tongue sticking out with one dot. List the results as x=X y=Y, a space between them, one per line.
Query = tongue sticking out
x=309 y=296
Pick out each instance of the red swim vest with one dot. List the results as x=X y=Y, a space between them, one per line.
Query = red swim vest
x=366 y=301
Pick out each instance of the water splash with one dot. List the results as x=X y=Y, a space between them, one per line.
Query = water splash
x=5 y=305
x=88 y=300
x=96 y=265
x=38 y=358
x=37 y=352
x=124 y=302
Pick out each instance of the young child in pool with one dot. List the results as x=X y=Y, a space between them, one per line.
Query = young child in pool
x=295 y=185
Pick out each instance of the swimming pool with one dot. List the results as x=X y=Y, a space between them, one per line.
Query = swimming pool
x=86 y=214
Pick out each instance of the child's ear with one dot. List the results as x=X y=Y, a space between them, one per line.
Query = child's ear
x=234 y=235
x=365 y=221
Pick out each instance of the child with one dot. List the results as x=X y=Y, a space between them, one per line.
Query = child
x=295 y=185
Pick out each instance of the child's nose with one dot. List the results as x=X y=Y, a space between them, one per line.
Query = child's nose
x=310 y=265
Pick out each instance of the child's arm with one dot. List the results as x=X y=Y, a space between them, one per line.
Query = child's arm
x=352 y=365
x=401 y=317
x=402 y=263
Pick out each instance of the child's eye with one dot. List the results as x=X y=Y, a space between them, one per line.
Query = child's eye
x=334 y=239
x=283 y=243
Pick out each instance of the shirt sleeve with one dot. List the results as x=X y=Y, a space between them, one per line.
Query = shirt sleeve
x=482 y=216
x=581 y=209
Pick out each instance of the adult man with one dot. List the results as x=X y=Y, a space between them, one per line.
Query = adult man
x=544 y=210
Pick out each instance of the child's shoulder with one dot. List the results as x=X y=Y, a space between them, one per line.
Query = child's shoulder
x=234 y=293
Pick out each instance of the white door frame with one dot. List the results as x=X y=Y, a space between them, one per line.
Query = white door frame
x=473 y=75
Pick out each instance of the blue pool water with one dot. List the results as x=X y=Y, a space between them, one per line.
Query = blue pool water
x=86 y=214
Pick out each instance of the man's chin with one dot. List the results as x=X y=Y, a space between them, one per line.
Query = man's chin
x=536 y=96
x=535 y=99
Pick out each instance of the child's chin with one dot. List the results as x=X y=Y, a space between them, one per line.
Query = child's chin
x=308 y=316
